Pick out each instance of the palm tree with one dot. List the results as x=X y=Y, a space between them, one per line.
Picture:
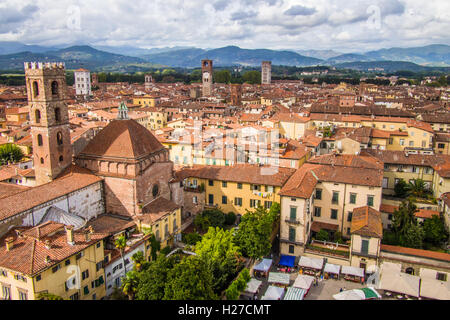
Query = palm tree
x=121 y=244
x=130 y=284
x=418 y=188
x=138 y=259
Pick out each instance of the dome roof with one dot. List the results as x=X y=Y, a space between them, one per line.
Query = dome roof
x=122 y=139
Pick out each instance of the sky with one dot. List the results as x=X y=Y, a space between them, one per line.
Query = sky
x=344 y=26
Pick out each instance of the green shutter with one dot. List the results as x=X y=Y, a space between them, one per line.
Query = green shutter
x=86 y=290
x=293 y=213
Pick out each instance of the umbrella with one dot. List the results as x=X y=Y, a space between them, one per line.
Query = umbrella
x=370 y=293
x=350 y=295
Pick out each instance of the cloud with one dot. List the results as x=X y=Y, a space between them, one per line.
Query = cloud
x=243 y=15
x=300 y=11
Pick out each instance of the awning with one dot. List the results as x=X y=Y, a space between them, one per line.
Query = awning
x=278 y=277
x=316 y=226
x=435 y=289
x=332 y=268
x=287 y=261
x=313 y=263
x=400 y=282
x=253 y=285
x=293 y=293
x=303 y=281
x=353 y=271
x=350 y=295
x=264 y=265
x=370 y=293
x=273 y=293
x=391 y=267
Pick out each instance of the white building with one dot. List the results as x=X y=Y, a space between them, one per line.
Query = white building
x=83 y=82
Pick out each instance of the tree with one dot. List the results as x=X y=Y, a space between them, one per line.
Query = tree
x=139 y=261
x=412 y=237
x=130 y=284
x=190 y=280
x=155 y=246
x=192 y=238
x=221 y=256
x=230 y=218
x=323 y=235
x=121 y=244
x=252 y=77
x=255 y=229
x=48 y=296
x=152 y=281
x=222 y=76
x=418 y=188
x=237 y=286
x=435 y=231
x=210 y=218
x=401 y=189
x=10 y=153
x=404 y=217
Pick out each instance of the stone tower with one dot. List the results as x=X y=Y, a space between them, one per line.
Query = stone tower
x=49 y=117
x=207 y=77
x=94 y=80
x=148 y=81
x=83 y=82
x=266 y=72
x=236 y=94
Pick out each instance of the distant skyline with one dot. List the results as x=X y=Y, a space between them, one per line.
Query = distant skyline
x=344 y=26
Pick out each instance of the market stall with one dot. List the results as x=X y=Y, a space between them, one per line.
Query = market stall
x=331 y=271
x=354 y=274
x=279 y=279
x=398 y=283
x=310 y=266
x=252 y=289
x=287 y=263
x=434 y=289
x=304 y=282
x=273 y=293
x=294 y=293
x=262 y=268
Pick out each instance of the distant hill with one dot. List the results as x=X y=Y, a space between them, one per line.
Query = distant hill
x=231 y=56
x=10 y=47
x=348 y=57
x=319 y=54
x=388 y=66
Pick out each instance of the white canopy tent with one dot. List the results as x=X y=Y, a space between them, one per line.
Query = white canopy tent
x=434 y=289
x=353 y=271
x=273 y=293
x=332 y=268
x=303 y=281
x=391 y=267
x=400 y=282
x=264 y=265
x=253 y=285
x=311 y=263
x=278 y=277
x=350 y=295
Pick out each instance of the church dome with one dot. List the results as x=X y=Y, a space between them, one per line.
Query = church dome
x=122 y=139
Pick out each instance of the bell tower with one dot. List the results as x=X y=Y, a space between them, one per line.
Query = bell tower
x=207 y=77
x=49 y=117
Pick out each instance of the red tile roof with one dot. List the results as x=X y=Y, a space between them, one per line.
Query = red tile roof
x=416 y=252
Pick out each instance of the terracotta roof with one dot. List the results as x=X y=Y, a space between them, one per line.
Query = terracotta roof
x=74 y=178
x=157 y=209
x=416 y=252
x=348 y=161
x=243 y=173
x=110 y=224
x=366 y=221
x=29 y=253
x=8 y=189
x=316 y=226
x=122 y=139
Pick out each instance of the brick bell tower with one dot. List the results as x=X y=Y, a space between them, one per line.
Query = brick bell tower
x=49 y=117
x=207 y=77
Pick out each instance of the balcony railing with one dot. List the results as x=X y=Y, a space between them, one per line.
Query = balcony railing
x=292 y=221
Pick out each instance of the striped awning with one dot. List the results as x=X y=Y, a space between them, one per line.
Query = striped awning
x=294 y=294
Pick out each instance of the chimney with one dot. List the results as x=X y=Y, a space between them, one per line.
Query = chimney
x=69 y=233
x=47 y=259
x=87 y=236
x=9 y=243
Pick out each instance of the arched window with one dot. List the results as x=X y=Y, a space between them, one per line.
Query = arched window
x=166 y=231
x=59 y=138
x=61 y=158
x=54 y=88
x=42 y=160
x=57 y=114
x=37 y=115
x=155 y=190
x=409 y=271
x=39 y=140
x=157 y=235
x=35 y=89
x=174 y=224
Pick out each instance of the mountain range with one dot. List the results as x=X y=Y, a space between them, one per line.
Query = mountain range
x=130 y=59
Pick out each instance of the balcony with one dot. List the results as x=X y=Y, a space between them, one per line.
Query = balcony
x=328 y=249
x=292 y=221
x=364 y=254
x=284 y=240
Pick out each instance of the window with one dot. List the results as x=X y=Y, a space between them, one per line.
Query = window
x=86 y=290
x=38 y=278
x=61 y=159
x=54 y=88
x=402 y=142
x=291 y=234
x=411 y=143
x=224 y=199
x=335 y=199
x=334 y=214
x=238 y=202
x=127 y=261
x=3 y=273
x=6 y=292
x=352 y=198
x=239 y=185
x=35 y=89
x=98 y=266
x=85 y=274
x=293 y=199
x=76 y=296
x=349 y=216
x=155 y=190
x=194 y=199
x=23 y=295
x=365 y=246
x=317 y=211
x=348 y=230
x=67 y=262
x=98 y=245
x=211 y=182
x=59 y=138
x=441 y=276
x=78 y=256
x=57 y=114
x=267 y=204
x=39 y=140
x=37 y=116
x=252 y=203
x=291 y=249
x=211 y=199
x=370 y=201
x=56 y=268
x=385 y=183
x=318 y=194
x=293 y=214
x=224 y=184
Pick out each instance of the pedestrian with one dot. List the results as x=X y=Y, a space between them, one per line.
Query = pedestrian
x=340 y=290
